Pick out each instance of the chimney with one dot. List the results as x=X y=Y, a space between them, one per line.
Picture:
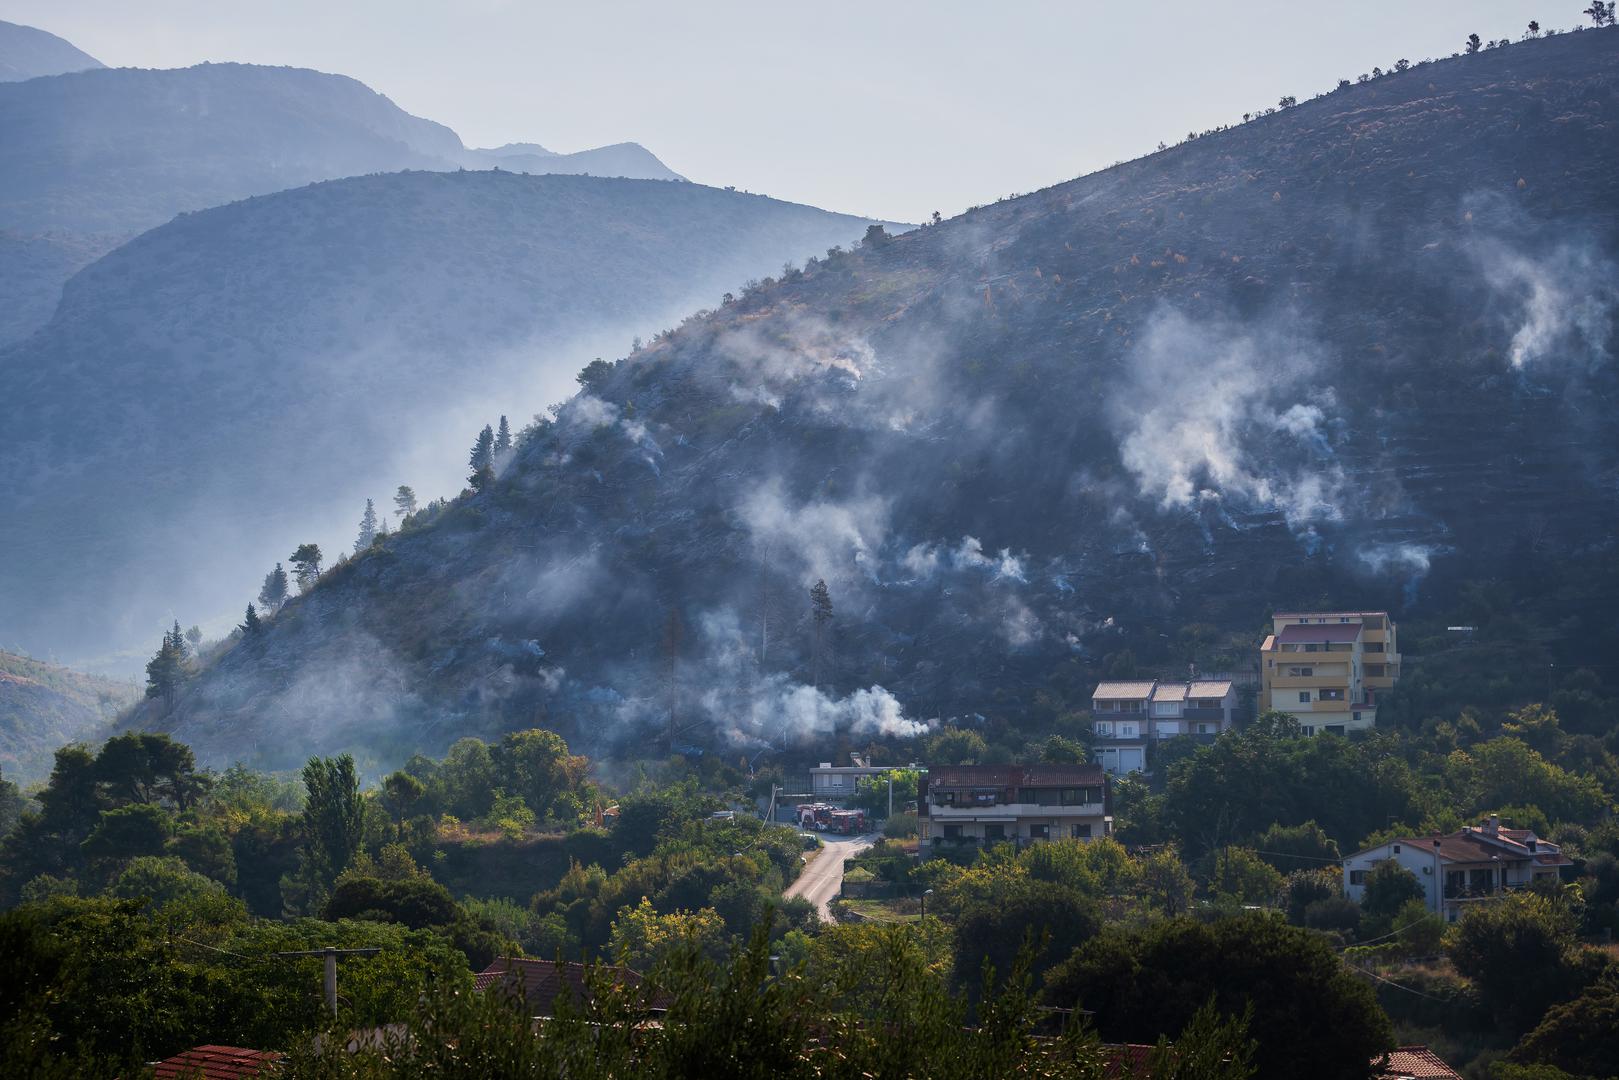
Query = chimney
x=1493 y=826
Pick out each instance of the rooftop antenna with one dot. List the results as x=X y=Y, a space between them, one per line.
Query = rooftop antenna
x=331 y=956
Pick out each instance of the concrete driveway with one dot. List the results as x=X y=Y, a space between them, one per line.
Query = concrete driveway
x=822 y=879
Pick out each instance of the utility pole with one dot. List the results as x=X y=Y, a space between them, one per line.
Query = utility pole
x=331 y=956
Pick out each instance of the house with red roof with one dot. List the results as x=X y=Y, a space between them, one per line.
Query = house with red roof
x=1327 y=668
x=1475 y=865
x=1414 y=1063
x=544 y=983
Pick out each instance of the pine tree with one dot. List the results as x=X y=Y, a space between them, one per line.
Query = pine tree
x=368 y=528
x=178 y=637
x=821 y=620
x=252 y=624
x=167 y=670
x=483 y=451
x=503 y=438
x=405 y=503
x=306 y=566
x=274 y=592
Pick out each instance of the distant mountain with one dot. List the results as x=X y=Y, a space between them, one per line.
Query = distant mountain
x=27 y=53
x=44 y=706
x=242 y=379
x=620 y=159
x=101 y=155
x=1346 y=353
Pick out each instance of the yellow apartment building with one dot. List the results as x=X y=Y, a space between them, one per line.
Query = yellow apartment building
x=1327 y=668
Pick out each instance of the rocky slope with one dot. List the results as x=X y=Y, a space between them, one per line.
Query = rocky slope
x=1332 y=355
x=27 y=53
x=43 y=706
x=241 y=380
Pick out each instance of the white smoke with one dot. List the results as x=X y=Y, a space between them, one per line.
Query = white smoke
x=821 y=539
x=1562 y=304
x=923 y=561
x=1212 y=407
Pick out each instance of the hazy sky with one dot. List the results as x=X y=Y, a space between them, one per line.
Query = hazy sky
x=893 y=109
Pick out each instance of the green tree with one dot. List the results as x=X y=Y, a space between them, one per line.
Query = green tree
x=503 y=441
x=166 y=672
x=332 y=819
x=536 y=765
x=368 y=528
x=128 y=832
x=1297 y=847
x=642 y=938
x=162 y=879
x=1388 y=886
x=1047 y=918
x=273 y=594
x=404 y=502
x=1473 y=44
x=1318 y=1019
x=871 y=792
x=401 y=792
x=1166 y=884
x=1242 y=877
x=306 y=566
x=483 y=450
x=1580 y=1037
x=252 y=626
x=1520 y=953
x=956 y=746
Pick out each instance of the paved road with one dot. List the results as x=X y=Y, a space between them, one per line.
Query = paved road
x=822 y=879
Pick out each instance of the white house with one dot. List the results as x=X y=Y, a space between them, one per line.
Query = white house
x=1477 y=864
x=1127 y=715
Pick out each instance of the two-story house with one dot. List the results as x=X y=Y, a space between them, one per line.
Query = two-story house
x=1127 y=716
x=1120 y=720
x=987 y=804
x=1481 y=862
x=1327 y=668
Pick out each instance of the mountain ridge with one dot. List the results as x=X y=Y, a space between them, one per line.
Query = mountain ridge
x=27 y=52
x=327 y=333
x=1310 y=357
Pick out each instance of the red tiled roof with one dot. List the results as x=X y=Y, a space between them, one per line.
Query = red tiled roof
x=217 y=1063
x=1319 y=635
x=1209 y=688
x=542 y=982
x=1001 y=776
x=1417 y=1062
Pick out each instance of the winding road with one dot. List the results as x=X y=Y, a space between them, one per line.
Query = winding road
x=822 y=879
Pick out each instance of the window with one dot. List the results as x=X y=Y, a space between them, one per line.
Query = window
x=1081 y=832
x=1208 y=703
x=1312 y=647
x=1344 y=618
x=1357 y=717
x=1332 y=693
x=1375 y=671
x=1300 y=672
x=1357 y=877
x=1335 y=729
x=1202 y=729
x=1040 y=832
x=995 y=832
x=1307 y=729
x=1127 y=731
x=1304 y=697
x=952 y=832
x=1374 y=646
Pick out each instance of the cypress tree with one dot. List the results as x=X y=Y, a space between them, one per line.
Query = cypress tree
x=483 y=450
x=503 y=438
x=368 y=528
x=274 y=592
x=252 y=624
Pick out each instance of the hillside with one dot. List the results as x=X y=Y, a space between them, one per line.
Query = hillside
x=241 y=380
x=1342 y=353
x=43 y=706
x=95 y=157
x=27 y=53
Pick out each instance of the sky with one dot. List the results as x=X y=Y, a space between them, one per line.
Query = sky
x=888 y=108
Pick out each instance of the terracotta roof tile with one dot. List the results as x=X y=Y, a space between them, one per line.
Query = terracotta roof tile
x=1419 y=1063
x=217 y=1063
x=543 y=982
x=1319 y=635
x=1001 y=776
x=1210 y=688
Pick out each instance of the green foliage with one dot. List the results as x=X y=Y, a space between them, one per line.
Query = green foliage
x=332 y=818
x=1520 y=952
x=1242 y=877
x=1313 y=1017
x=642 y=938
x=1388 y=886
x=1297 y=847
x=871 y=793
x=160 y=879
x=956 y=746
x=1580 y=1036
x=1044 y=918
